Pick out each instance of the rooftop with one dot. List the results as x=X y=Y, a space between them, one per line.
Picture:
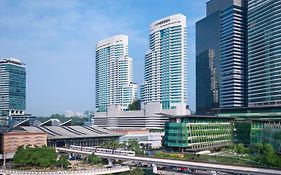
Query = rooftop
x=69 y=132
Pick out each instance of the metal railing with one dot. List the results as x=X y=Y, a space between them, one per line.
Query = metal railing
x=105 y=170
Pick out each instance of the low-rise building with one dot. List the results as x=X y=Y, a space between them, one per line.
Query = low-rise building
x=10 y=141
x=196 y=133
x=144 y=136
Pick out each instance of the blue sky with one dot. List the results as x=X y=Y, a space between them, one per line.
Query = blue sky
x=56 y=39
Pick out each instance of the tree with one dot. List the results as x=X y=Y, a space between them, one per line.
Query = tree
x=22 y=155
x=240 y=149
x=35 y=156
x=63 y=161
x=133 y=145
x=269 y=156
x=111 y=145
x=94 y=159
x=136 y=105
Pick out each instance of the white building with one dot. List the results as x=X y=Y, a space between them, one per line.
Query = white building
x=114 y=74
x=165 y=86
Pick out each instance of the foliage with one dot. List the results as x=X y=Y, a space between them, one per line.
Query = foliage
x=63 y=161
x=167 y=155
x=37 y=156
x=42 y=157
x=136 y=105
x=241 y=149
x=111 y=145
x=256 y=149
x=94 y=159
x=136 y=171
x=133 y=145
x=269 y=156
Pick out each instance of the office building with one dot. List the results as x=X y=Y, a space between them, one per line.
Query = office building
x=12 y=87
x=221 y=56
x=165 y=86
x=264 y=53
x=196 y=133
x=114 y=74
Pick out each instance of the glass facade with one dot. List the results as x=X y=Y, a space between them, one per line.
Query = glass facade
x=198 y=133
x=114 y=74
x=12 y=87
x=165 y=63
x=207 y=63
x=264 y=51
x=233 y=36
x=221 y=54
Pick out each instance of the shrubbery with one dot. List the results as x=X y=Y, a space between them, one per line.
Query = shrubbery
x=39 y=157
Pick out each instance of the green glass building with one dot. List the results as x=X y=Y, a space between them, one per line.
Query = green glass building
x=195 y=133
x=12 y=87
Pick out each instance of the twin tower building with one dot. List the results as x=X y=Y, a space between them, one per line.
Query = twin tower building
x=165 y=87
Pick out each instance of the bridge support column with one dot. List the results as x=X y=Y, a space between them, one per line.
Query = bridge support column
x=154 y=168
x=110 y=162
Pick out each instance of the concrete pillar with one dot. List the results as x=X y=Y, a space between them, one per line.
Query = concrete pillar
x=154 y=168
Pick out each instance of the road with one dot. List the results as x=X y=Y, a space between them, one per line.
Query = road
x=180 y=163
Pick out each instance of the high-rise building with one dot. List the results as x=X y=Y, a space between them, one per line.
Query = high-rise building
x=221 y=56
x=264 y=53
x=165 y=86
x=12 y=87
x=114 y=72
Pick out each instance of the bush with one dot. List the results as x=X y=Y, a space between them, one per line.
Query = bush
x=94 y=159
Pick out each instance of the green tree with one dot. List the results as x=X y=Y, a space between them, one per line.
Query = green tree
x=38 y=156
x=111 y=145
x=269 y=156
x=133 y=145
x=22 y=155
x=63 y=161
x=241 y=149
x=94 y=159
x=136 y=105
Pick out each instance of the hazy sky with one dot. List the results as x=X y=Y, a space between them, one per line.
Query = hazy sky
x=56 y=39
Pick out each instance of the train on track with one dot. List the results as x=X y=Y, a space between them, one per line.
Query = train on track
x=103 y=150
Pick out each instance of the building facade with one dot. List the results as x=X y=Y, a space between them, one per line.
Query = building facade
x=221 y=56
x=165 y=86
x=264 y=52
x=10 y=141
x=114 y=74
x=196 y=133
x=12 y=87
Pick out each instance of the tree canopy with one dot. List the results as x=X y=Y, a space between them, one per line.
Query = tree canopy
x=38 y=157
x=136 y=105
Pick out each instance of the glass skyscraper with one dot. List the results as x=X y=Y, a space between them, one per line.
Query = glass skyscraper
x=12 y=87
x=165 y=84
x=264 y=53
x=114 y=70
x=221 y=56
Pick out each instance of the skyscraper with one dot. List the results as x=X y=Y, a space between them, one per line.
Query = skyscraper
x=221 y=56
x=12 y=87
x=264 y=53
x=114 y=70
x=165 y=86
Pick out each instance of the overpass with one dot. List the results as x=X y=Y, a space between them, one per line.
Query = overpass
x=180 y=163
